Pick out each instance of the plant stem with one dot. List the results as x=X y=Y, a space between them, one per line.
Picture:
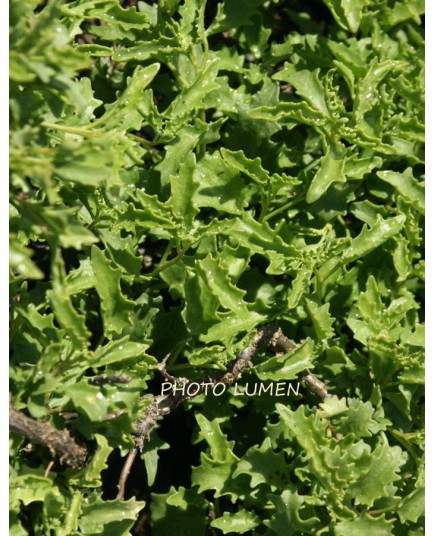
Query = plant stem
x=287 y=205
x=79 y=131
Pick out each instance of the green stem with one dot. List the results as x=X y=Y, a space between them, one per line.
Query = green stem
x=287 y=205
x=164 y=263
x=265 y=203
x=79 y=131
x=383 y=510
x=345 y=226
x=401 y=438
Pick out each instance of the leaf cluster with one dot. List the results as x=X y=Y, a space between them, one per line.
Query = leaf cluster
x=185 y=171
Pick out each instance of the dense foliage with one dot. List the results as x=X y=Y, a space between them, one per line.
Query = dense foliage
x=182 y=173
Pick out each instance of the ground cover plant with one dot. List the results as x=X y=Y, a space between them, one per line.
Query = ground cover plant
x=226 y=193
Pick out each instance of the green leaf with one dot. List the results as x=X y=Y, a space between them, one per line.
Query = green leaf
x=210 y=431
x=30 y=488
x=220 y=286
x=331 y=170
x=412 y=507
x=230 y=15
x=321 y=319
x=374 y=483
x=347 y=13
x=121 y=350
x=251 y=168
x=186 y=139
x=240 y=522
x=215 y=470
x=92 y=475
x=150 y=456
x=183 y=508
x=89 y=400
x=264 y=466
x=147 y=213
x=308 y=86
x=108 y=518
x=261 y=239
x=354 y=416
x=191 y=98
x=21 y=262
x=367 y=90
x=370 y=239
x=287 y=520
x=127 y=112
x=115 y=308
x=288 y=366
x=365 y=524
x=66 y=315
x=183 y=188
x=407 y=186
x=200 y=310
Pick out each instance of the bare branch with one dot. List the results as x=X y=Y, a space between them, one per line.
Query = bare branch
x=102 y=379
x=163 y=404
x=59 y=442
x=125 y=472
x=315 y=385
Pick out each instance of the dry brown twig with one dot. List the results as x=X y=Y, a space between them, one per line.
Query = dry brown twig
x=59 y=442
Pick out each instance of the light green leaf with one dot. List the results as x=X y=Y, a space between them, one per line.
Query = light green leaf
x=220 y=447
x=127 y=113
x=147 y=213
x=215 y=470
x=92 y=473
x=308 y=86
x=367 y=90
x=121 y=350
x=370 y=239
x=176 y=152
x=331 y=170
x=363 y=525
x=221 y=187
x=251 y=168
x=407 y=186
x=288 y=366
x=220 y=286
x=374 y=482
x=183 y=188
x=264 y=466
x=347 y=13
x=412 y=507
x=240 y=522
x=89 y=400
x=287 y=519
x=21 y=262
x=66 y=315
x=230 y=15
x=150 y=456
x=321 y=319
x=106 y=518
x=115 y=308
x=191 y=98
x=200 y=311
x=30 y=488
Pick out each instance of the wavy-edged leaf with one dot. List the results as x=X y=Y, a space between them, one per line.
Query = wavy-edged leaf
x=405 y=183
x=115 y=308
x=332 y=166
x=370 y=239
x=240 y=522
